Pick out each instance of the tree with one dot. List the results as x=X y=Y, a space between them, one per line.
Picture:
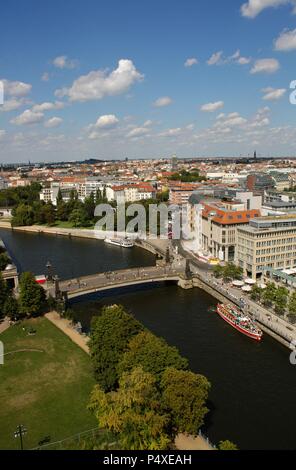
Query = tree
x=78 y=217
x=89 y=207
x=218 y=271
x=32 y=295
x=281 y=300
x=151 y=353
x=110 y=335
x=292 y=307
x=227 y=445
x=232 y=272
x=269 y=294
x=49 y=214
x=4 y=292
x=11 y=307
x=184 y=396
x=133 y=412
x=59 y=197
x=4 y=261
x=23 y=216
x=62 y=211
x=256 y=292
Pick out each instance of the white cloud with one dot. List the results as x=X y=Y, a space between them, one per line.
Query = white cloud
x=2 y=133
x=190 y=62
x=265 y=66
x=15 y=88
x=253 y=7
x=98 y=84
x=216 y=58
x=286 y=41
x=229 y=120
x=273 y=94
x=45 y=77
x=28 y=117
x=63 y=62
x=13 y=104
x=212 y=107
x=138 y=132
x=107 y=121
x=163 y=101
x=243 y=60
x=170 y=132
x=53 y=122
x=48 y=106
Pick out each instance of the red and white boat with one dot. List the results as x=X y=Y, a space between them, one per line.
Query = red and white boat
x=238 y=320
x=40 y=279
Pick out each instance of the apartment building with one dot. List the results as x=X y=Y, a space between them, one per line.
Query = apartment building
x=84 y=189
x=268 y=242
x=50 y=193
x=131 y=193
x=220 y=222
x=181 y=192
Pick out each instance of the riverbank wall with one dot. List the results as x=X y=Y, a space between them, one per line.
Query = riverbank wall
x=223 y=298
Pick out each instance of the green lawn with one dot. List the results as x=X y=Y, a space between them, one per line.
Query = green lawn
x=45 y=391
x=65 y=224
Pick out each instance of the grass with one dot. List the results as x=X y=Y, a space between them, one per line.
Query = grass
x=48 y=391
x=66 y=224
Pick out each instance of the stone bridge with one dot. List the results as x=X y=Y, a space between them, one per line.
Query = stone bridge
x=114 y=279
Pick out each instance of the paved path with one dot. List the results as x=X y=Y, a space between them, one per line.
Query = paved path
x=65 y=325
x=4 y=325
x=185 y=442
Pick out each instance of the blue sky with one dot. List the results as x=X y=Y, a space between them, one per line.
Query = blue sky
x=130 y=78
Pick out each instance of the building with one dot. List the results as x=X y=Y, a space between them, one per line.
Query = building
x=220 y=222
x=50 y=193
x=126 y=193
x=278 y=208
x=268 y=242
x=3 y=183
x=282 y=180
x=259 y=183
x=181 y=192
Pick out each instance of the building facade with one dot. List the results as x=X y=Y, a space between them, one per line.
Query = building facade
x=268 y=242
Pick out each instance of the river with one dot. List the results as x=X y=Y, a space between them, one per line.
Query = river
x=252 y=401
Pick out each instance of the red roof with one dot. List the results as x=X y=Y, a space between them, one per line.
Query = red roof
x=139 y=186
x=230 y=217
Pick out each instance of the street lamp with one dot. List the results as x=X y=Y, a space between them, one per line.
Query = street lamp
x=49 y=270
x=20 y=432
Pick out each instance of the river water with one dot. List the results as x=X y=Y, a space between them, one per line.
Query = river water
x=253 y=396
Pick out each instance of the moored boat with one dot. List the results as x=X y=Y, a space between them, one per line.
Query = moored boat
x=238 y=320
x=124 y=242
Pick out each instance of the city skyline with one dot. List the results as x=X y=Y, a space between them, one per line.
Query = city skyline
x=78 y=88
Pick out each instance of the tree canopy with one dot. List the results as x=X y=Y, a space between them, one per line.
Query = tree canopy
x=133 y=412
x=151 y=353
x=110 y=335
x=184 y=395
x=32 y=295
